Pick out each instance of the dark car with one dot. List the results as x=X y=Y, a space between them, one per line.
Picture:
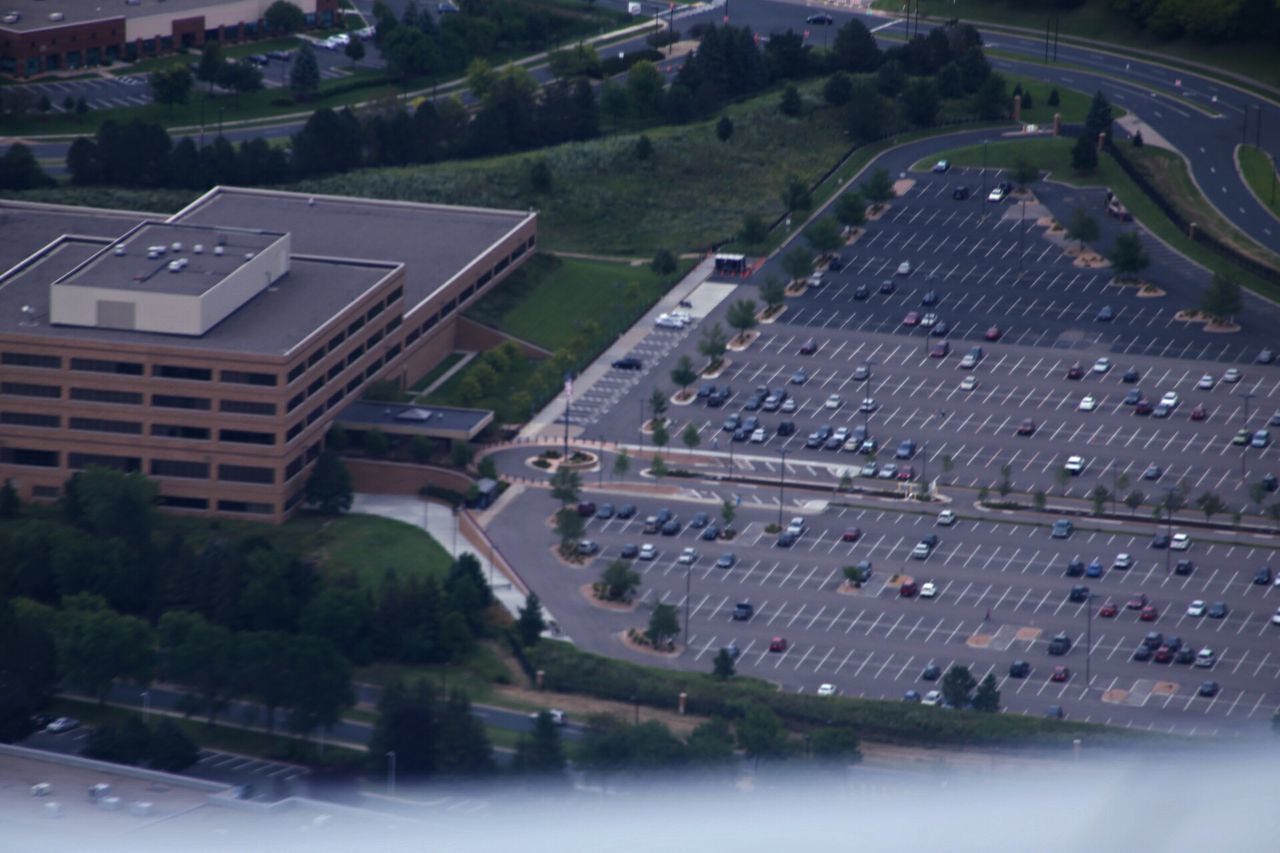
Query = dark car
x=699 y=520
x=671 y=528
x=1142 y=653
x=809 y=347
x=586 y=509
x=259 y=59
x=929 y=298
x=664 y=515
x=1078 y=593
x=786 y=539
x=940 y=329
x=706 y=389
x=726 y=561
x=1133 y=397
x=630 y=362
x=1019 y=669
x=1160 y=540
x=960 y=193
x=908 y=589
x=732 y=422
x=861 y=292
x=754 y=402
x=906 y=449
x=1209 y=689
x=627 y=511
x=1270 y=483
x=932 y=672
x=1217 y=610
x=887 y=286
x=911 y=696
x=1060 y=644
x=629 y=552
x=836 y=264
x=1143 y=407
x=1262 y=576
x=1186 y=654
x=940 y=350
x=1075 y=371
x=786 y=428
x=1054 y=712
x=605 y=511
x=710 y=533
x=1131 y=375
x=822 y=20
x=1153 y=640
x=1106 y=314
x=1027 y=427
x=1075 y=568
x=1174 y=643
x=743 y=611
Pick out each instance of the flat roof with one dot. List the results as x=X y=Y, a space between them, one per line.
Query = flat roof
x=134 y=270
x=272 y=323
x=436 y=242
x=27 y=227
x=35 y=13
x=440 y=421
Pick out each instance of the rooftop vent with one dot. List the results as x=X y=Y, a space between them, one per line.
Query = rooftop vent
x=414 y=414
x=119 y=250
x=56 y=16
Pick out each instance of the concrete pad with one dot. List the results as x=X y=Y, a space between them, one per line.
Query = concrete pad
x=1115 y=697
x=1140 y=692
x=978 y=641
x=1029 y=634
x=1164 y=688
x=705 y=297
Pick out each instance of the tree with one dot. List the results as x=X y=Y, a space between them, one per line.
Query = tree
x=957 y=685
x=211 y=65
x=851 y=209
x=10 y=503
x=543 y=753
x=988 y=697
x=824 y=236
x=660 y=438
x=713 y=344
x=664 y=262
x=754 y=231
x=1221 y=300
x=792 y=105
x=282 y=17
x=408 y=725
x=171 y=749
x=1210 y=504
x=28 y=665
x=530 y=624
x=921 y=101
x=658 y=405
x=463 y=747
x=856 y=575
x=1054 y=98
x=171 y=86
x=304 y=76
x=569 y=527
x=878 y=188
x=97 y=645
x=1128 y=257
x=19 y=170
x=317 y=684
x=127 y=744
x=1039 y=498
x=761 y=733
x=1098 y=121
x=796 y=195
x=1084 y=154
x=1024 y=172
x=643 y=149
x=773 y=292
x=724 y=129
x=742 y=316
x=1006 y=480
x=618 y=581
x=198 y=655
x=664 y=626
x=855 y=49
x=797 y=263
x=540 y=176
x=329 y=487
x=1082 y=227
x=82 y=107
x=1099 y=495
x=621 y=463
x=566 y=485
x=1134 y=499
x=727 y=513
x=376 y=443
x=1137 y=139
x=868 y=114
x=108 y=503
x=722 y=667
x=838 y=90
x=836 y=744
x=690 y=437
x=990 y=101
x=354 y=51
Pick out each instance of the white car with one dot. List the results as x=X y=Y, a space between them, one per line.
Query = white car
x=826 y=690
x=969 y=383
x=929 y=590
x=62 y=724
x=942 y=166
x=946 y=518
x=969 y=361
x=868 y=405
x=1275 y=617
x=759 y=436
x=1075 y=464
x=1170 y=399
x=921 y=551
x=557 y=716
x=833 y=402
x=1123 y=561
x=1232 y=375
x=1180 y=542
x=1102 y=365
x=687 y=556
x=1089 y=403
x=1196 y=608
x=933 y=697
x=1206 y=382
x=666 y=321
x=796 y=526
x=648 y=552
x=996 y=194
x=929 y=320
x=904 y=268
x=683 y=316
x=1206 y=658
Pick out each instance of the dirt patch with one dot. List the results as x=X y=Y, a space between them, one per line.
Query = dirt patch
x=684 y=397
x=744 y=340
x=588 y=592
x=796 y=288
x=725 y=364
x=579 y=563
x=847 y=588
x=1027 y=634
x=648 y=650
x=767 y=317
x=978 y=641
x=1090 y=260
x=903 y=186
x=874 y=213
x=853 y=235
x=1222 y=328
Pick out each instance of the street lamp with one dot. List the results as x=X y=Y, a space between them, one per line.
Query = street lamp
x=1088 y=639
x=1022 y=229
x=924 y=466
x=782 y=483
x=1168 y=509
x=866 y=415
x=688 y=574
x=1244 y=449
x=984 y=167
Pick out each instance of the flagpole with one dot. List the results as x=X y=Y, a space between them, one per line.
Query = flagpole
x=568 y=404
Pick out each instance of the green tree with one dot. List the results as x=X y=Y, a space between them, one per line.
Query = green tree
x=761 y=733
x=664 y=626
x=566 y=485
x=1128 y=257
x=792 y=105
x=1134 y=499
x=1082 y=227
x=464 y=750
x=304 y=75
x=408 y=725
x=171 y=749
x=836 y=744
x=1210 y=504
x=28 y=664
x=621 y=463
x=957 y=685
x=1054 y=98
x=838 y=90
x=713 y=344
x=990 y=101
x=754 y=231
x=690 y=437
x=878 y=188
x=728 y=511
x=211 y=65
x=283 y=17
x=317 y=684
x=921 y=101
x=796 y=195
x=683 y=375
x=797 y=263
x=824 y=236
x=724 y=129
x=97 y=645
x=1258 y=494
x=1099 y=496
x=569 y=527
x=660 y=438
x=988 y=697
x=543 y=752
x=531 y=624
x=171 y=86
x=722 y=667
x=664 y=262
x=337 y=439
x=1084 y=154
x=10 y=503
x=851 y=209
x=856 y=575
x=197 y=655
x=1099 y=119
x=354 y=51
x=742 y=316
x=773 y=292
x=1024 y=172
x=420 y=449
x=868 y=114
x=1222 y=299
x=329 y=487
x=129 y=743
x=619 y=581
x=658 y=406
x=855 y=49
x=376 y=443
x=711 y=743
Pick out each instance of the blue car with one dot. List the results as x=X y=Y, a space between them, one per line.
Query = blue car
x=1094 y=569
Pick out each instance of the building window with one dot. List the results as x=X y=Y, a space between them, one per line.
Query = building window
x=176 y=502
x=355 y=326
x=100 y=425
x=485 y=278
x=241 y=436
x=315 y=385
x=246 y=407
x=173 y=401
x=180 y=431
x=26 y=359
x=34 y=458
x=180 y=468
x=128 y=464
x=178 y=371
x=336 y=341
x=246 y=474
x=373 y=368
x=315 y=357
x=375 y=311
x=337 y=368
x=95 y=365
x=395 y=294
x=314 y=415
x=394 y=324
x=297 y=370
x=247 y=507
x=413 y=336
x=25 y=389
x=467 y=291
x=295 y=401
x=107 y=395
x=393 y=352
x=375 y=337
x=431 y=323
x=354 y=384
x=354 y=355
x=30 y=419
x=335 y=399
x=243 y=377
x=294 y=469
x=293 y=431
x=448 y=308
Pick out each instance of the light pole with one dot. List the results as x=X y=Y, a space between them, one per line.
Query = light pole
x=1022 y=229
x=984 y=167
x=1244 y=449
x=568 y=410
x=866 y=415
x=1088 y=639
x=688 y=573
x=1168 y=509
x=391 y=771
x=782 y=483
x=924 y=466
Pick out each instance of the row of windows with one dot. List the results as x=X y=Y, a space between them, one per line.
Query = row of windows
x=23 y=359
x=251 y=507
x=134 y=398
x=133 y=368
x=336 y=369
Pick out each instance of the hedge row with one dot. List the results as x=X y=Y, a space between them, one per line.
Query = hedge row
x=569 y=670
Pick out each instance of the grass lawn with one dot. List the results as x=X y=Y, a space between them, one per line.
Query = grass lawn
x=1260 y=173
x=439 y=370
x=1094 y=20
x=234 y=51
x=475 y=675
x=1054 y=154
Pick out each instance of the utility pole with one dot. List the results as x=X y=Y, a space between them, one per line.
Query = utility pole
x=1244 y=450
x=1088 y=639
x=782 y=483
x=688 y=572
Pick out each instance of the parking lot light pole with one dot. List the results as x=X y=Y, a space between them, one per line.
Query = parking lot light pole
x=1088 y=639
x=688 y=574
x=782 y=483
x=1244 y=450
x=1022 y=230
x=1168 y=510
x=984 y=169
x=924 y=466
x=866 y=415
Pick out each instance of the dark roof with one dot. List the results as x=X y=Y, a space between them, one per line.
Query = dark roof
x=35 y=13
x=438 y=421
x=27 y=228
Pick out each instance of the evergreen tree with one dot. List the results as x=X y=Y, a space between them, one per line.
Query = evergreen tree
x=304 y=76
x=543 y=752
x=329 y=487
x=531 y=623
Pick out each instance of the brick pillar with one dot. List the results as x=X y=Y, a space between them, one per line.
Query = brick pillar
x=1102 y=138
x=1017 y=107
x=1057 y=124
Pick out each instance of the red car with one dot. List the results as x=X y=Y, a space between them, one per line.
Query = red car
x=1075 y=371
x=1060 y=673
x=778 y=644
x=851 y=534
x=994 y=333
x=1144 y=407
x=1164 y=654
x=809 y=347
x=1108 y=610
x=1199 y=413
x=912 y=319
x=1138 y=602
x=906 y=473
x=940 y=350
x=1027 y=427
x=908 y=589
x=1148 y=614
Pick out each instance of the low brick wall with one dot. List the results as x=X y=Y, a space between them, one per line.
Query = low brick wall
x=402 y=478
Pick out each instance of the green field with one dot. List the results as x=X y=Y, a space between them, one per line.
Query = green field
x=475 y=675
x=436 y=372
x=1260 y=173
x=1094 y=20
